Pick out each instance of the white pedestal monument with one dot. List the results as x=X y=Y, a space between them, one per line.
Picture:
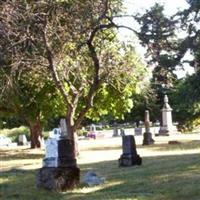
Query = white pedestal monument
x=167 y=127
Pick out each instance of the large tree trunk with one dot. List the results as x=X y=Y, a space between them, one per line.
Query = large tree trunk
x=36 y=134
x=72 y=135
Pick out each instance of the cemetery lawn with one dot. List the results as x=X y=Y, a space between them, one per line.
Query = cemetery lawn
x=168 y=172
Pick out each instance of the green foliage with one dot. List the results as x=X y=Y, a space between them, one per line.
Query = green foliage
x=33 y=96
x=166 y=51
x=15 y=132
x=146 y=100
x=81 y=132
x=126 y=73
x=189 y=20
x=76 y=42
x=186 y=101
x=157 y=34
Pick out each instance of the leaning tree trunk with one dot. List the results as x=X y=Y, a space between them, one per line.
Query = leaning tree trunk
x=36 y=134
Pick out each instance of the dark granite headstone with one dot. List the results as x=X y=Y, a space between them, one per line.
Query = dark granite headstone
x=66 y=157
x=129 y=156
x=128 y=144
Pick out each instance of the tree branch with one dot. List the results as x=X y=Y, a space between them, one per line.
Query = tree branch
x=52 y=68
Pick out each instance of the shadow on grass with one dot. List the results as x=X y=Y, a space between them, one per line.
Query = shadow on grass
x=186 y=145
x=20 y=154
x=105 y=148
x=189 y=145
x=162 y=177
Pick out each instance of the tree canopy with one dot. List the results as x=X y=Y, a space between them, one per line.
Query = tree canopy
x=168 y=50
x=75 y=42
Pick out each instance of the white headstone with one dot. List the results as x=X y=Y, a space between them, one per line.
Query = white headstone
x=51 y=148
x=51 y=156
x=92 y=127
x=22 y=140
x=55 y=133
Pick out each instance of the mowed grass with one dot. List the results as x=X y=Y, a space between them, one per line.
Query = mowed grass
x=168 y=172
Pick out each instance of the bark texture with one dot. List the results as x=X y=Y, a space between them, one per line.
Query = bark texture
x=36 y=134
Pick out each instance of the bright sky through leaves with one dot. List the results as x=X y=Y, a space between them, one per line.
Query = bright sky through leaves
x=134 y=6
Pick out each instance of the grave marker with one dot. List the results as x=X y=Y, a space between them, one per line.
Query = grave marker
x=129 y=156
x=147 y=137
x=167 y=125
x=60 y=171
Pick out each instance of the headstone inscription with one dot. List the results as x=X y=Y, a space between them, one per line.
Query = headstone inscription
x=129 y=155
x=147 y=137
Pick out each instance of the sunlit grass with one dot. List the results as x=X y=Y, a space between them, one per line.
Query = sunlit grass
x=168 y=172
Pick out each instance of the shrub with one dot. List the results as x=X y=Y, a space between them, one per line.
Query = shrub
x=15 y=132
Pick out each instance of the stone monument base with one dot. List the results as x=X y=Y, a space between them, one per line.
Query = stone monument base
x=163 y=132
x=166 y=131
x=58 y=178
x=127 y=160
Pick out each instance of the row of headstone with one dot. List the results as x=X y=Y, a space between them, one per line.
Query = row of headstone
x=22 y=141
x=118 y=132
x=60 y=169
x=166 y=127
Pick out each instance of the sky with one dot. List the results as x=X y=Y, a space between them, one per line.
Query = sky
x=134 y=6
x=171 y=6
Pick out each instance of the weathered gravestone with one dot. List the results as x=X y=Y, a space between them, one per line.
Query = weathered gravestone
x=147 y=137
x=115 y=130
x=59 y=171
x=122 y=131
x=92 y=179
x=22 y=140
x=138 y=130
x=129 y=156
